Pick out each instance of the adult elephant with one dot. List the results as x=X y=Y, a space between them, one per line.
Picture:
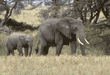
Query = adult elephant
x=17 y=41
x=59 y=32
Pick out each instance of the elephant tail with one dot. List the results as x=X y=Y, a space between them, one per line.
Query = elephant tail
x=37 y=48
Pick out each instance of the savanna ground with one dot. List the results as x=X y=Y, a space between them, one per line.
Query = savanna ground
x=95 y=63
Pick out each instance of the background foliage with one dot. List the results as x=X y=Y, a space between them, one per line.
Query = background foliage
x=95 y=16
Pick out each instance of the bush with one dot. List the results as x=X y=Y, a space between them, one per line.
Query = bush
x=19 y=26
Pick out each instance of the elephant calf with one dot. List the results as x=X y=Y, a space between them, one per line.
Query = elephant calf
x=17 y=41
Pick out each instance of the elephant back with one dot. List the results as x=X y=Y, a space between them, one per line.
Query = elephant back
x=50 y=21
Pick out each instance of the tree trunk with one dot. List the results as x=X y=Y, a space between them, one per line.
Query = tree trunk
x=108 y=15
x=56 y=6
x=7 y=15
x=105 y=12
x=85 y=15
x=97 y=17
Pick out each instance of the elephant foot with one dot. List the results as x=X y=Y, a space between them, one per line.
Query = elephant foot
x=42 y=54
x=29 y=54
x=57 y=54
x=84 y=55
x=26 y=55
x=20 y=54
x=74 y=54
x=7 y=54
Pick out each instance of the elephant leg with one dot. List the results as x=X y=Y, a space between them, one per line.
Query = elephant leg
x=26 y=51
x=8 y=52
x=46 y=50
x=9 y=48
x=82 y=47
x=73 y=46
x=20 y=51
x=43 y=50
x=59 y=47
x=30 y=50
x=12 y=52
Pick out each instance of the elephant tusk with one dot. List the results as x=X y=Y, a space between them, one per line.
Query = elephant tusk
x=80 y=41
x=86 y=41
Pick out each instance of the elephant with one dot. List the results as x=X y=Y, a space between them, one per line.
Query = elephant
x=6 y=30
x=17 y=41
x=59 y=32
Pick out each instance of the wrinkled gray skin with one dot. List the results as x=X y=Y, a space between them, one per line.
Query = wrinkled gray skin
x=19 y=41
x=59 y=32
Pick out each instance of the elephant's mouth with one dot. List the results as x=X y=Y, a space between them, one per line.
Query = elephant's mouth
x=81 y=42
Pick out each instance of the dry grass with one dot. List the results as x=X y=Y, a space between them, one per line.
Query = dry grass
x=95 y=63
x=53 y=65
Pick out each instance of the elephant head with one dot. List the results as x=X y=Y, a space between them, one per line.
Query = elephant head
x=26 y=39
x=64 y=27
x=68 y=26
x=22 y=39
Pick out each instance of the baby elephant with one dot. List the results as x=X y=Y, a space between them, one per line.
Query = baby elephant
x=17 y=41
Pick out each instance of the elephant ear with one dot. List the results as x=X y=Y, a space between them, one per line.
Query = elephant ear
x=64 y=27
